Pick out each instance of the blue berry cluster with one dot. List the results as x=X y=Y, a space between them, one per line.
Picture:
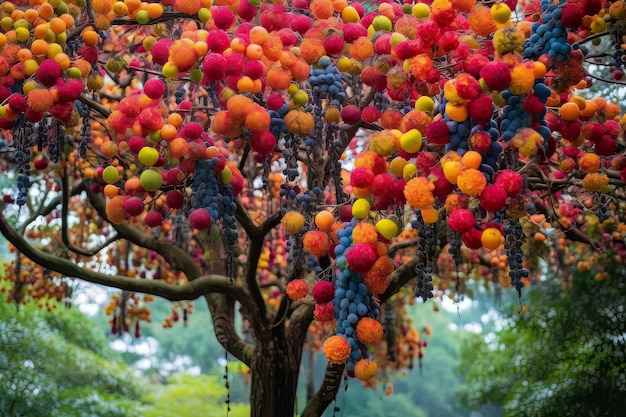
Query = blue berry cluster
x=326 y=81
x=426 y=247
x=352 y=299
x=549 y=36
x=277 y=124
x=513 y=249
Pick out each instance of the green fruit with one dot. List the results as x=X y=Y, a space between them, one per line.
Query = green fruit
x=142 y=17
x=300 y=98
x=195 y=75
x=74 y=73
x=382 y=23
x=151 y=180
x=62 y=9
x=148 y=156
x=204 y=14
x=21 y=23
x=226 y=175
x=110 y=175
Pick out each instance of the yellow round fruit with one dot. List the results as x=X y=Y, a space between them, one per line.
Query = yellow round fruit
x=361 y=208
x=491 y=238
x=387 y=228
x=411 y=141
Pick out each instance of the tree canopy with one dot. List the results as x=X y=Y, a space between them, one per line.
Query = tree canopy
x=59 y=364
x=562 y=357
x=296 y=163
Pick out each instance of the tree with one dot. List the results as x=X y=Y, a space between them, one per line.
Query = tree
x=57 y=364
x=188 y=149
x=564 y=356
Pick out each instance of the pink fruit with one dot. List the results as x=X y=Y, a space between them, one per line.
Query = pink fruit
x=351 y=114
x=200 y=219
x=323 y=292
x=175 y=199
x=153 y=219
x=214 y=66
x=154 y=88
x=161 y=51
x=333 y=44
x=496 y=75
x=133 y=206
x=254 y=69
x=223 y=17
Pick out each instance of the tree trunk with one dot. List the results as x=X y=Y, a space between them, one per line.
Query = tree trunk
x=275 y=370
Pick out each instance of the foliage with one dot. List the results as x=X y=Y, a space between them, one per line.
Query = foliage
x=251 y=153
x=57 y=364
x=184 y=395
x=562 y=357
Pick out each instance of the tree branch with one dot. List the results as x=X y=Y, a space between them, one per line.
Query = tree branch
x=327 y=392
x=192 y=290
x=223 y=315
x=175 y=256
x=398 y=279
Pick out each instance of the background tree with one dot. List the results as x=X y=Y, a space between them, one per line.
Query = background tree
x=187 y=149
x=564 y=356
x=59 y=364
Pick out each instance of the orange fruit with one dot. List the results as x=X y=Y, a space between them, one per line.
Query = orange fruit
x=175 y=120
x=90 y=37
x=569 y=111
x=155 y=10
x=472 y=159
x=24 y=54
x=68 y=19
x=45 y=11
x=57 y=25
x=324 y=220
x=31 y=15
x=168 y=132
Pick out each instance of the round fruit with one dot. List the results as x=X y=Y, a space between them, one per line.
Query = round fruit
x=151 y=180
x=148 y=156
x=110 y=175
x=361 y=208
x=491 y=238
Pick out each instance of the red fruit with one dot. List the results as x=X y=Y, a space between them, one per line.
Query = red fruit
x=374 y=78
x=533 y=105
x=353 y=31
x=153 y=219
x=512 y=182
x=200 y=219
x=218 y=40
x=493 y=197
x=382 y=45
x=154 y=88
x=17 y=103
x=370 y=114
x=223 y=17
x=62 y=111
x=192 y=130
x=214 y=66
x=606 y=146
x=361 y=257
x=324 y=312
x=323 y=292
x=254 y=69
x=438 y=133
x=467 y=86
x=274 y=101
x=472 y=237
x=449 y=41
x=408 y=49
x=496 y=75
x=617 y=75
x=591 y=7
x=461 y=220
x=235 y=64
x=612 y=128
x=33 y=116
x=161 y=51
x=263 y=142
x=133 y=206
x=175 y=199
x=351 y=114
x=481 y=108
x=136 y=143
x=40 y=163
x=383 y=184
x=345 y=212
x=333 y=44
x=301 y=23
x=570 y=131
x=49 y=72
x=89 y=53
x=361 y=177
x=572 y=15
x=246 y=11
x=480 y=142
x=70 y=90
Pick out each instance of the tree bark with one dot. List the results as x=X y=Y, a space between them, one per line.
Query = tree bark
x=275 y=370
